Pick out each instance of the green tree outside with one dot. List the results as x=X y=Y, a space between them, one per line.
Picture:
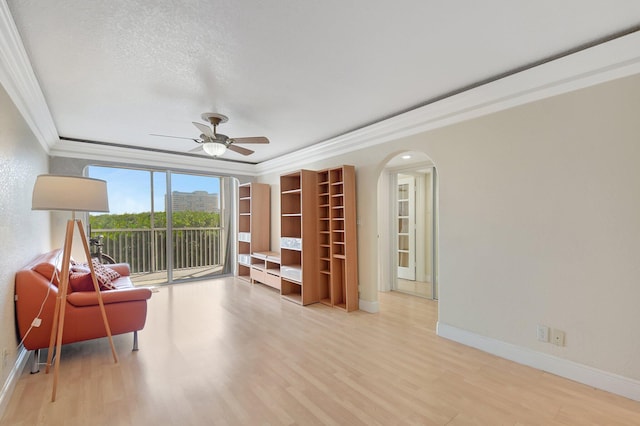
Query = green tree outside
x=182 y=219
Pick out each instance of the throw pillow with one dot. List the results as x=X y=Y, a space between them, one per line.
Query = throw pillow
x=80 y=267
x=104 y=275
x=81 y=281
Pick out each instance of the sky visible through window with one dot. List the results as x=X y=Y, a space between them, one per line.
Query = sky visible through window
x=130 y=190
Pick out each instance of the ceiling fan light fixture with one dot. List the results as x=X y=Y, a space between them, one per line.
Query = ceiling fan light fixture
x=215 y=144
x=215 y=149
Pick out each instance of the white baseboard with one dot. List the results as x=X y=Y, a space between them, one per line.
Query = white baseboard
x=581 y=373
x=371 y=307
x=12 y=379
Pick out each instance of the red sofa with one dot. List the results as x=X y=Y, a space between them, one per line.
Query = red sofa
x=126 y=305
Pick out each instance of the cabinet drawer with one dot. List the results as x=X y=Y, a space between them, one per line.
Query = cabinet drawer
x=272 y=280
x=258 y=275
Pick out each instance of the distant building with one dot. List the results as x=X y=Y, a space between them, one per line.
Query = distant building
x=197 y=201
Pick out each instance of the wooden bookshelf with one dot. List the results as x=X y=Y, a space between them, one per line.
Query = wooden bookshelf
x=318 y=237
x=298 y=237
x=337 y=186
x=254 y=224
x=324 y=237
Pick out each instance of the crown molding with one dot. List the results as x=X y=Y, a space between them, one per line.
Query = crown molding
x=604 y=62
x=20 y=82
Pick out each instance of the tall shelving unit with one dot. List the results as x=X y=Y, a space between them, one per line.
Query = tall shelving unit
x=338 y=241
x=324 y=238
x=254 y=224
x=298 y=237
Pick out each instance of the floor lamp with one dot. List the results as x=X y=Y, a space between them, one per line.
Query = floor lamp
x=74 y=194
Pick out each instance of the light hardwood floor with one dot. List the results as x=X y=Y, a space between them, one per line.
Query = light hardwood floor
x=226 y=352
x=417 y=288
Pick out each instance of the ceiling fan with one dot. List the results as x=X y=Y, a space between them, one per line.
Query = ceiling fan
x=215 y=144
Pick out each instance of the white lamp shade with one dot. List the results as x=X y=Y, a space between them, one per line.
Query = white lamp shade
x=214 y=148
x=70 y=193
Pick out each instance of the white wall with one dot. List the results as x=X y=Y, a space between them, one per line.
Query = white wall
x=539 y=215
x=23 y=233
x=540 y=205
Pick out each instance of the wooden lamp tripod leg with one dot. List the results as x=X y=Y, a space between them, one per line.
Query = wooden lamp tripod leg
x=97 y=289
x=61 y=302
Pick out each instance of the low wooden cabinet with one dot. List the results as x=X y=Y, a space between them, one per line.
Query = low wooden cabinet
x=265 y=268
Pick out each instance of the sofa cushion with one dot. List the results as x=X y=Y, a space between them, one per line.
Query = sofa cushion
x=79 y=267
x=88 y=298
x=122 y=282
x=122 y=268
x=47 y=270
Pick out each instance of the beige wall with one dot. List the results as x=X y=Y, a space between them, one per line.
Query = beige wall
x=23 y=233
x=539 y=222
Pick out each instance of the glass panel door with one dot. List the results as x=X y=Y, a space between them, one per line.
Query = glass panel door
x=414 y=215
x=406 y=229
x=197 y=236
x=129 y=232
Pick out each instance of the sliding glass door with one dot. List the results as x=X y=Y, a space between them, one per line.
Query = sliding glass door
x=167 y=226
x=196 y=231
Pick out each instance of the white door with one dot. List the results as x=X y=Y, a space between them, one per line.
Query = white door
x=406 y=228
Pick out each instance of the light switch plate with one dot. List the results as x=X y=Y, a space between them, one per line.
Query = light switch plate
x=543 y=333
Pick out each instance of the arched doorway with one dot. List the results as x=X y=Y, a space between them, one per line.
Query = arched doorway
x=407 y=225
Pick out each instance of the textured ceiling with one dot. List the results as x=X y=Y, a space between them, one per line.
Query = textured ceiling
x=298 y=72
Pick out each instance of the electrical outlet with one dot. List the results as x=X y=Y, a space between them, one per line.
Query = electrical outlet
x=543 y=333
x=557 y=337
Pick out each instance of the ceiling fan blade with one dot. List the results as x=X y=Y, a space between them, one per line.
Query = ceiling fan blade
x=256 y=139
x=206 y=130
x=240 y=150
x=175 y=137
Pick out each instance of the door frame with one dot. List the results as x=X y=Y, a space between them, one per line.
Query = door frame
x=387 y=241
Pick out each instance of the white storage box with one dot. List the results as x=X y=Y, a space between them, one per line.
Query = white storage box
x=244 y=237
x=291 y=243
x=245 y=259
x=291 y=272
x=260 y=255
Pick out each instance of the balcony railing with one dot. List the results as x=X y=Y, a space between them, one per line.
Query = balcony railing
x=145 y=250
